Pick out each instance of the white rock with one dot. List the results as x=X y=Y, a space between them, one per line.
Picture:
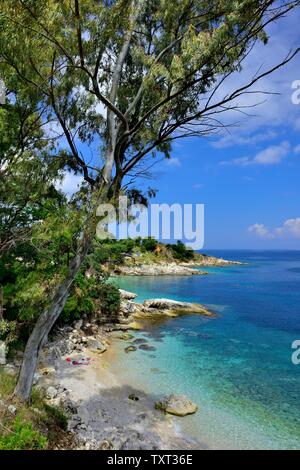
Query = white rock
x=78 y=324
x=177 y=405
x=127 y=295
x=12 y=409
x=36 y=378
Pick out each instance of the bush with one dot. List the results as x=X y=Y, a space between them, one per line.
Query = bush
x=110 y=299
x=149 y=244
x=57 y=415
x=181 y=252
x=22 y=436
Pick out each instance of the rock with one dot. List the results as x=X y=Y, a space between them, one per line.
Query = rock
x=125 y=336
x=3 y=352
x=96 y=346
x=106 y=445
x=176 y=405
x=127 y=295
x=130 y=349
x=47 y=371
x=133 y=397
x=36 y=378
x=12 y=409
x=78 y=324
x=176 y=307
x=157 y=269
x=147 y=347
x=51 y=393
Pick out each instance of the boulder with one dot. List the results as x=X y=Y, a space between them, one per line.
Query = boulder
x=175 y=307
x=3 y=352
x=176 y=405
x=126 y=336
x=127 y=295
x=96 y=346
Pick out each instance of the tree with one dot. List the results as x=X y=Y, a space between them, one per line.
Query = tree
x=125 y=78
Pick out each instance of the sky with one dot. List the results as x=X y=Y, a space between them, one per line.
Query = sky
x=248 y=178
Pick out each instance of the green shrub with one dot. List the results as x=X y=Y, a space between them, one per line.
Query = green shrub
x=110 y=299
x=57 y=415
x=149 y=244
x=181 y=252
x=22 y=437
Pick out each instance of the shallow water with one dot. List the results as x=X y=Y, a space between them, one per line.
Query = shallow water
x=238 y=366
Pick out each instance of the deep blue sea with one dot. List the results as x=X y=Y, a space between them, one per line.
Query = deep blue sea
x=236 y=367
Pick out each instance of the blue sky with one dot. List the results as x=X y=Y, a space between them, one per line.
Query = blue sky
x=248 y=178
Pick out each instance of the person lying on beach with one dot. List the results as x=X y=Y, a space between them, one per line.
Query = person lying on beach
x=83 y=361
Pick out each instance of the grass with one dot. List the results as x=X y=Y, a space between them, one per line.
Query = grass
x=37 y=426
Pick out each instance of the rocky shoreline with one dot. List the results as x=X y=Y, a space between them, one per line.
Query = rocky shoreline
x=133 y=267
x=103 y=413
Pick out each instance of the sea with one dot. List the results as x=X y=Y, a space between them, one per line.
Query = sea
x=237 y=366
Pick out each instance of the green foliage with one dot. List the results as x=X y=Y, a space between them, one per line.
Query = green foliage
x=22 y=436
x=149 y=244
x=180 y=251
x=91 y=293
x=56 y=414
x=109 y=299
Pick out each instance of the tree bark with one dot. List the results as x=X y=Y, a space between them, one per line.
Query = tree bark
x=45 y=323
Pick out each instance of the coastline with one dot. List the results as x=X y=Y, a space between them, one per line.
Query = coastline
x=102 y=416
x=161 y=266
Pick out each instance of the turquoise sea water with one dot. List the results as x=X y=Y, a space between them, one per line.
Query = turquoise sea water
x=237 y=367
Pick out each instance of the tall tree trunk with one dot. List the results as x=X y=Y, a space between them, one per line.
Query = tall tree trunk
x=46 y=321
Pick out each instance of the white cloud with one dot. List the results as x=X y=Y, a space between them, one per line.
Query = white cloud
x=260 y=230
x=289 y=229
x=173 y=162
x=230 y=140
x=275 y=111
x=70 y=184
x=272 y=155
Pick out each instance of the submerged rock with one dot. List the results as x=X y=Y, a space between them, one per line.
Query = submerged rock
x=130 y=349
x=177 y=405
x=139 y=341
x=147 y=347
